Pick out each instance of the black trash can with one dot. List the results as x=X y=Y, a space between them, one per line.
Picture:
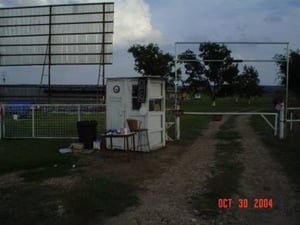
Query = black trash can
x=87 y=132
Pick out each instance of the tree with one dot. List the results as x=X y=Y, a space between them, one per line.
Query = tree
x=229 y=86
x=171 y=77
x=149 y=60
x=294 y=70
x=195 y=70
x=214 y=65
x=218 y=62
x=247 y=83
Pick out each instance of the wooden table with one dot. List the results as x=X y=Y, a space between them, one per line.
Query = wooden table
x=125 y=138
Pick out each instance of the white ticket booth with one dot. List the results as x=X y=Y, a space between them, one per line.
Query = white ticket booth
x=141 y=99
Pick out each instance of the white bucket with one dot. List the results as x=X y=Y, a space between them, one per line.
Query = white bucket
x=97 y=145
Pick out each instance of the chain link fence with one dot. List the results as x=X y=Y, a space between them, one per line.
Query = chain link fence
x=48 y=120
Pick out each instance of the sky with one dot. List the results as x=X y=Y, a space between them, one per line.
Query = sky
x=168 y=21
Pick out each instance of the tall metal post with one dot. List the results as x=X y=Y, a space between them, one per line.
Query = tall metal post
x=49 y=53
x=103 y=45
x=176 y=79
x=102 y=55
x=287 y=87
x=78 y=113
x=1 y=122
x=176 y=106
x=282 y=121
x=33 y=121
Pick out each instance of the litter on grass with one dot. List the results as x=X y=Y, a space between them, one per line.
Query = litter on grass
x=65 y=150
x=97 y=145
x=76 y=147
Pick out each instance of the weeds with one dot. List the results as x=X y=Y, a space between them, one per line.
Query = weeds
x=285 y=151
x=225 y=175
x=33 y=203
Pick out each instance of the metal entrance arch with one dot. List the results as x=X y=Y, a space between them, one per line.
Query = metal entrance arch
x=286 y=47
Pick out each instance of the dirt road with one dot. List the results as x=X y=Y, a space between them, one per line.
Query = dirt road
x=166 y=199
x=272 y=198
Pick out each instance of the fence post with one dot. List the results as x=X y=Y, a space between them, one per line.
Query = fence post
x=291 y=121
x=78 y=112
x=281 y=121
x=0 y=122
x=33 y=121
x=177 y=124
x=276 y=125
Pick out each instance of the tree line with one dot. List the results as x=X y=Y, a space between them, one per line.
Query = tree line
x=212 y=69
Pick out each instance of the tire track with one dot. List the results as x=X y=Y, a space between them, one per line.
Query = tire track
x=262 y=178
x=167 y=198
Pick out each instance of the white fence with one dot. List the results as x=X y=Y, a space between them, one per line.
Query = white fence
x=272 y=123
x=48 y=120
x=294 y=116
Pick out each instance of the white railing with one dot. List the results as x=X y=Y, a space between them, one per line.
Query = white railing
x=291 y=112
x=273 y=125
x=48 y=120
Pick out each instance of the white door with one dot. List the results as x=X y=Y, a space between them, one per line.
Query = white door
x=115 y=120
x=115 y=114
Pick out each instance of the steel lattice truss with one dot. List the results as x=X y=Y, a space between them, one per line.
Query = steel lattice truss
x=57 y=34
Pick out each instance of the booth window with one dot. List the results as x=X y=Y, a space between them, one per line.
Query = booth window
x=136 y=105
x=155 y=105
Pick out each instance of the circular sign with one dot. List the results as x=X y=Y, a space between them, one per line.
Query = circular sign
x=116 y=89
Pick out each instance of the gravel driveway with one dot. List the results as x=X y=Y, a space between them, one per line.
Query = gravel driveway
x=166 y=198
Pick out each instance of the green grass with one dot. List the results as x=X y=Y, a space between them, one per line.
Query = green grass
x=224 y=181
x=229 y=124
x=101 y=197
x=27 y=204
x=35 y=203
x=286 y=151
x=50 y=124
x=104 y=197
x=32 y=201
x=92 y=198
x=191 y=127
x=31 y=154
x=47 y=172
x=228 y=104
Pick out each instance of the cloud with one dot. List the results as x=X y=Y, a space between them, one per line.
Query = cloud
x=167 y=21
x=133 y=23
x=232 y=20
x=16 y=3
x=132 y=19
x=273 y=19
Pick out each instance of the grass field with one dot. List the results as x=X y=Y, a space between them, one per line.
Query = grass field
x=38 y=160
x=285 y=151
x=229 y=104
x=227 y=168
x=16 y=155
x=50 y=124
x=33 y=202
x=192 y=126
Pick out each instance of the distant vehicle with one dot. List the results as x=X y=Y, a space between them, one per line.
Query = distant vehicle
x=21 y=108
